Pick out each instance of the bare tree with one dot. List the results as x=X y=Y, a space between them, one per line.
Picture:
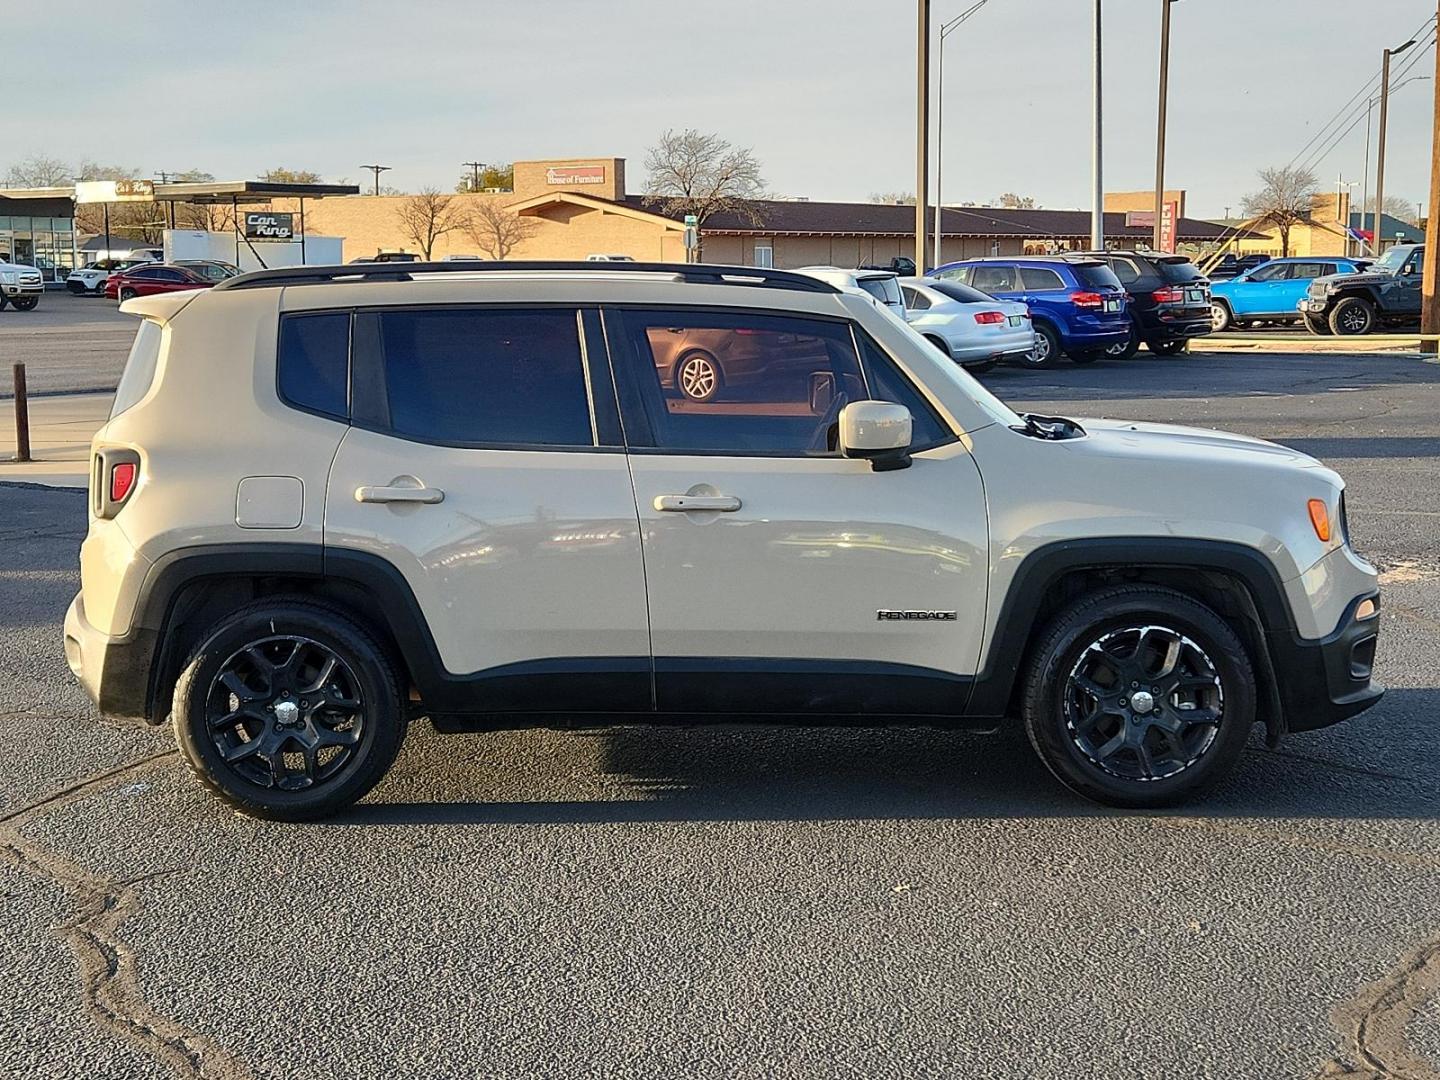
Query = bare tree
x=38 y=171
x=429 y=215
x=691 y=172
x=893 y=198
x=497 y=231
x=1401 y=209
x=1284 y=200
x=290 y=176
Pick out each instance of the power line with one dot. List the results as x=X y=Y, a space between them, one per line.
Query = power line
x=1343 y=112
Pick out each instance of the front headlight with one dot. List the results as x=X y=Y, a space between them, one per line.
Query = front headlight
x=10 y=277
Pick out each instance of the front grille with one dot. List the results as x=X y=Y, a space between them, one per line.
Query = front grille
x=29 y=279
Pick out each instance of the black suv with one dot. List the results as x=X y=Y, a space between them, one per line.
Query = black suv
x=1169 y=300
x=1388 y=294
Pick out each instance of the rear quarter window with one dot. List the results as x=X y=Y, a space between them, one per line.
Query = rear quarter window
x=313 y=367
x=1178 y=272
x=139 y=370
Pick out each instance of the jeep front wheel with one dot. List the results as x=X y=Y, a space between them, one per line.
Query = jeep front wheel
x=1316 y=324
x=1139 y=696
x=288 y=710
x=1352 y=315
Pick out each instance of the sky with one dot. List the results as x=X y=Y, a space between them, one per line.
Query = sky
x=821 y=90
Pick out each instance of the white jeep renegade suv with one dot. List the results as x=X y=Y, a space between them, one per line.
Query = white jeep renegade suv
x=330 y=500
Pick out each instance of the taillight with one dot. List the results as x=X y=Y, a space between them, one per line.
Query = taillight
x=989 y=318
x=113 y=479
x=1168 y=296
x=122 y=479
x=1087 y=299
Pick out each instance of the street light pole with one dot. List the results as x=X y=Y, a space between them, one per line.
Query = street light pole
x=1430 y=261
x=1097 y=184
x=922 y=129
x=945 y=29
x=1160 y=125
x=1380 y=148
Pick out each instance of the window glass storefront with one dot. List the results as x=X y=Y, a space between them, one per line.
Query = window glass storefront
x=41 y=240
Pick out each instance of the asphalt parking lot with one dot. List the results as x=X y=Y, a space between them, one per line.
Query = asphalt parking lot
x=733 y=902
x=68 y=344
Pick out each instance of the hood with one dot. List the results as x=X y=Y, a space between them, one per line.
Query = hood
x=1368 y=277
x=1127 y=438
x=19 y=268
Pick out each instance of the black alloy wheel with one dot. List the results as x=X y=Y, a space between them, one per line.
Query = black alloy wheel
x=1139 y=696
x=289 y=710
x=1352 y=315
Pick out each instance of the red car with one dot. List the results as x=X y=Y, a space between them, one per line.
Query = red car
x=150 y=278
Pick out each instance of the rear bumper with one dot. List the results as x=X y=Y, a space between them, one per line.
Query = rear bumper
x=1012 y=342
x=1326 y=681
x=115 y=672
x=1168 y=326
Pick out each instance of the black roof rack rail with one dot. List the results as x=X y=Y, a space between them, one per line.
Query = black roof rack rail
x=698 y=273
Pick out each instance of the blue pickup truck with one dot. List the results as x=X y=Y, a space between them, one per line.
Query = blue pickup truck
x=1271 y=291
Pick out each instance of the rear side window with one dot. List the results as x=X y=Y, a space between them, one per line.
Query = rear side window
x=139 y=366
x=1125 y=270
x=313 y=368
x=915 y=300
x=1095 y=276
x=961 y=274
x=1040 y=279
x=1306 y=271
x=992 y=279
x=885 y=289
x=478 y=377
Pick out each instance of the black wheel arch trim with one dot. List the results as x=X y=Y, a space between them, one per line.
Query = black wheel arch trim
x=1298 y=675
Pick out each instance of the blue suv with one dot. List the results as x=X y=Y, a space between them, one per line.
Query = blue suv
x=1077 y=304
x=1271 y=291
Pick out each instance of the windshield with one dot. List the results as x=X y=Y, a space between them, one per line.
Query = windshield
x=884 y=289
x=1392 y=260
x=992 y=406
x=964 y=293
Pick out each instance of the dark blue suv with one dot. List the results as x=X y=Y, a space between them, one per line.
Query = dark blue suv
x=1077 y=304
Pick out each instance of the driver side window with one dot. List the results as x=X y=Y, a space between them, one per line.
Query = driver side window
x=740 y=383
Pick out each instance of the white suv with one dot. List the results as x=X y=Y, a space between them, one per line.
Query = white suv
x=331 y=500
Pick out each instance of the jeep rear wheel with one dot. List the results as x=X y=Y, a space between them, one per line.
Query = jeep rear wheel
x=288 y=710
x=1352 y=315
x=1139 y=696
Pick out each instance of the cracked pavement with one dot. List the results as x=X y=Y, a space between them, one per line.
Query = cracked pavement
x=742 y=902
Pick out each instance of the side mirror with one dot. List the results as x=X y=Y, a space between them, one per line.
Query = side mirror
x=878 y=431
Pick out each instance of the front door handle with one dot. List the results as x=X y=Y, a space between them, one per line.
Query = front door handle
x=723 y=503
x=393 y=494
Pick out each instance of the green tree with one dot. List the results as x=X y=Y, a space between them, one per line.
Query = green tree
x=500 y=176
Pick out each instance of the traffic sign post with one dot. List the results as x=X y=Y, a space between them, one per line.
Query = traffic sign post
x=692 y=236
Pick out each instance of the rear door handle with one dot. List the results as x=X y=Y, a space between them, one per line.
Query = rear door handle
x=392 y=494
x=723 y=503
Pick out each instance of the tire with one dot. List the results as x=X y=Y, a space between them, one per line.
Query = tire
x=127 y=294
x=697 y=376
x=1220 y=317
x=979 y=367
x=939 y=343
x=24 y=303
x=1087 y=356
x=1109 y=752
x=3 y=301
x=1169 y=348
x=259 y=678
x=1351 y=316
x=1127 y=349
x=1317 y=325
x=1046 y=353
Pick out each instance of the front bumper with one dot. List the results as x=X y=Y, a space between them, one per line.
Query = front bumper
x=1308 y=306
x=1326 y=681
x=115 y=672
x=12 y=291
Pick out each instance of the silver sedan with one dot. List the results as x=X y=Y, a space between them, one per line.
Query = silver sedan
x=971 y=327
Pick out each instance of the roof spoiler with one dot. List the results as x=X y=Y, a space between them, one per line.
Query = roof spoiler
x=697 y=273
x=160 y=308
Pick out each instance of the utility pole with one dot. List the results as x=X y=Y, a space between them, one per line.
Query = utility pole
x=1429 y=296
x=1097 y=209
x=922 y=130
x=474 y=167
x=1380 y=149
x=945 y=29
x=1160 y=125
x=1365 y=178
x=377 y=170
